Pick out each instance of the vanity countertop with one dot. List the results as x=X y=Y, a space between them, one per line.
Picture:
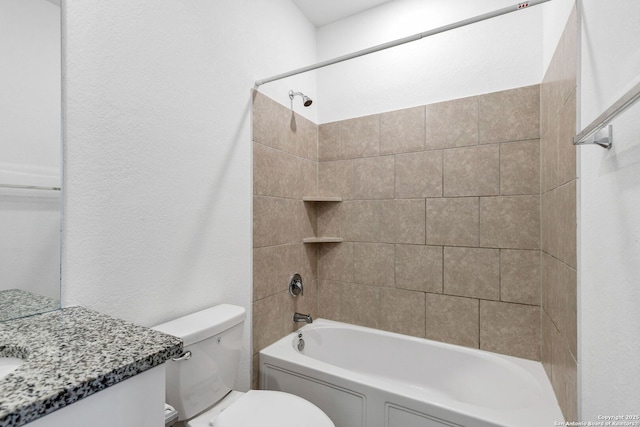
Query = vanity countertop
x=71 y=354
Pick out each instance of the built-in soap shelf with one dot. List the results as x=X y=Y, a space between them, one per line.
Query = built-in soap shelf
x=325 y=239
x=322 y=240
x=321 y=199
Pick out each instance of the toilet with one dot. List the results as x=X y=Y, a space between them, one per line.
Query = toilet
x=199 y=383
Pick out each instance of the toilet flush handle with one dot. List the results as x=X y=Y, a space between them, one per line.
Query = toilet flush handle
x=185 y=356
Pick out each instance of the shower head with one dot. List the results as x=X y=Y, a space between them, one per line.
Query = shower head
x=306 y=101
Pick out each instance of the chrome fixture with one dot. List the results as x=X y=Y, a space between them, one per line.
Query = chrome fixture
x=183 y=356
x=599 y=132
x=295 y=285
x=602 y=137
x=306 y=101
x=299 y=317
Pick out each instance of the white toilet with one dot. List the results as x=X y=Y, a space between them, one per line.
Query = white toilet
x=199 y=384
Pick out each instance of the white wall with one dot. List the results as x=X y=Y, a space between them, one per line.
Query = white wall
x=30 y=145
x=609 y=226
x=157 y=207
x=498 y=54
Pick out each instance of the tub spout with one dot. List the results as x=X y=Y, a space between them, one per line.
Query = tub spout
x=299 y=317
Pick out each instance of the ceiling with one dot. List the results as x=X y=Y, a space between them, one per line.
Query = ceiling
x=326 y=11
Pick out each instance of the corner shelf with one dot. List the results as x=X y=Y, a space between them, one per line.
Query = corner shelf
x=322 y=240
x=322 y=199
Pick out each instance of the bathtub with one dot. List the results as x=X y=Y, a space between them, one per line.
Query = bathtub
x=362 y=377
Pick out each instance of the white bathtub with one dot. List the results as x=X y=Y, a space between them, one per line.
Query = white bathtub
x=364 y=377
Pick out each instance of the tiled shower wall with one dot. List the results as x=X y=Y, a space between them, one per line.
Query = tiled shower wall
x=284 y=170
x=441 y=221
x=558 y=166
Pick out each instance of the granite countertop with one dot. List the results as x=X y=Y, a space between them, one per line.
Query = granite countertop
x=15 y=303
x=71 y=354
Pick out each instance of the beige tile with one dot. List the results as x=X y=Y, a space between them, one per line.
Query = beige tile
x=268 y=321
x=520 y=276
x=565 y=217
x=569 y=316
x=329 y=219
x=564 y=378
x=373 y=178
x=276 y=173
x=472 y=171
x=255 y=372
x=510 y=222
x=548 y=277
x=510 y=115
x=568 y=77
x=419 y=268
x=360 y=137
x=520 y=167
x=452 y=222
x=268 y=122
x=303 y=136
x=329 y=141
x=452 y=320
x=276 y=221
x=559 y=288
x=418 y=175
x=402 y=221
x=309 y=178
x=329 y=300
x=472 y=272
x=548 y=226
x=272 y=268
x=546 y=348
x=360 y=304
x=566 y=150
x=374 y=264
x=512 y=329
x=452 y=123
x=402 y=312
x=306 y=219
x=308 y=267
x=551 y=91
x=402 y=131
x=549 y=157
x=335 y=179
x=361 y=220
x=335 y=261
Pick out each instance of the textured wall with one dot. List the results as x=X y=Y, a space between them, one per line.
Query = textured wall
x=441 y=221
x=609 y=230
x=285 y=169
x=498 y=54
x=558 y=185
x=157 y=201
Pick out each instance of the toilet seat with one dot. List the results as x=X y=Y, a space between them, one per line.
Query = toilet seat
x=267 y=408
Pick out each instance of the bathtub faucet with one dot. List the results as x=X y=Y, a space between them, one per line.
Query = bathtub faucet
x=299 y=317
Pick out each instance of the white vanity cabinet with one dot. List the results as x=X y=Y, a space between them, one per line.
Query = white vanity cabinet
x=137 y=401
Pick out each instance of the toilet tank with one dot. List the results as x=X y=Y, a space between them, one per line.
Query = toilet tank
x=214 y=338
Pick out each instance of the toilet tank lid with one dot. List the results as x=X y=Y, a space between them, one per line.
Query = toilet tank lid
x=203 y=324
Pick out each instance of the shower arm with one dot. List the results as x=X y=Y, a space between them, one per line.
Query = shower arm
x=404 y=40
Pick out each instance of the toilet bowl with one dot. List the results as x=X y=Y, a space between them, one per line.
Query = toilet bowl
x=199 y=383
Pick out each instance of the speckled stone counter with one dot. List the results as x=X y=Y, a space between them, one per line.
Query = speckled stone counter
x=71 y=354
x=16 y=303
